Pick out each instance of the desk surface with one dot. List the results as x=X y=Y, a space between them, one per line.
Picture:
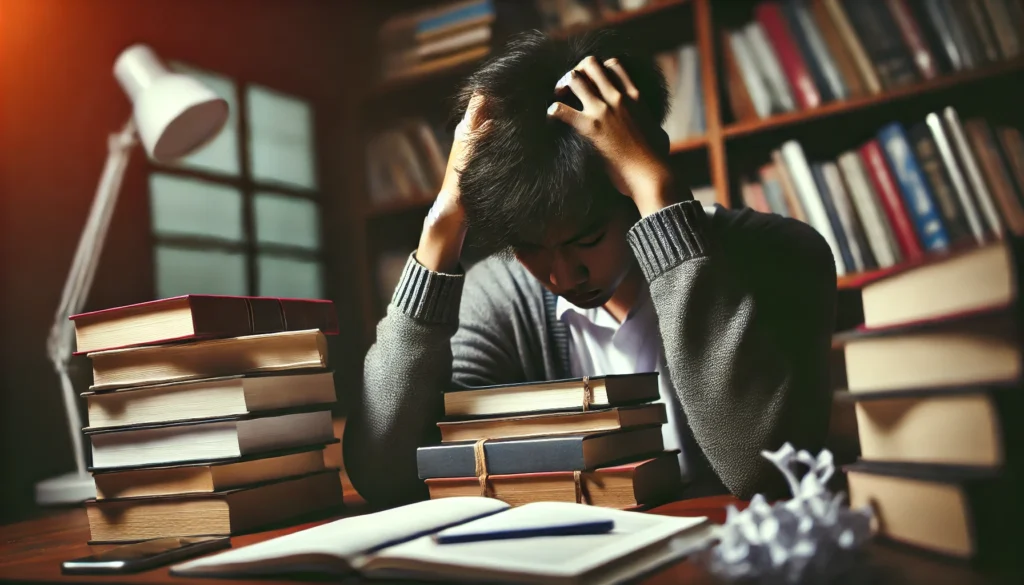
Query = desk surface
x=32 y=551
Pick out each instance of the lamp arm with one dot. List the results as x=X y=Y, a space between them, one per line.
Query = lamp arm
x=60 y=342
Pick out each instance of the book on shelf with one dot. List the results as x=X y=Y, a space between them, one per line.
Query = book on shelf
x=226 y=396
x=399 y=543
x=628 y=486
x=192 y=317
x=207 y=439
x=904 y=195
x=227 y=512
x=416 y=42
x=269 y=352
x=209 y=476
x=405 y=161
x=681 y=68
x=799 y=54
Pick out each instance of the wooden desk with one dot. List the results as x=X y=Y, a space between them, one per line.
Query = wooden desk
x=32 y=551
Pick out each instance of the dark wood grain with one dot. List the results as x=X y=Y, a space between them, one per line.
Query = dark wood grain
x=32 y=552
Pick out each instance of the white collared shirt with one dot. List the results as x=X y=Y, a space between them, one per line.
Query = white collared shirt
x=599 y=345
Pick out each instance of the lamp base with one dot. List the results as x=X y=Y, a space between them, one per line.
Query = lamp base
x=70 y=488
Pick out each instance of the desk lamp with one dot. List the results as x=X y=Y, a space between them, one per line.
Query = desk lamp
x=172 y=116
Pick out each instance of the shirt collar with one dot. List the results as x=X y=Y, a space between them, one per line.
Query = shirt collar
x=599 y=316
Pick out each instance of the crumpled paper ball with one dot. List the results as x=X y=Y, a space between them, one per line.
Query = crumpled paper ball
x=811 y=538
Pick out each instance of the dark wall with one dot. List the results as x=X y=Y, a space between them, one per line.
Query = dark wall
x=58 y=102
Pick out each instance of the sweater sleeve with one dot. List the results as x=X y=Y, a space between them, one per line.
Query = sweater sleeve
x=746 y=320
x=406 y=372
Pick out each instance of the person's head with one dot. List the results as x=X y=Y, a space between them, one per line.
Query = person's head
x=535 y=188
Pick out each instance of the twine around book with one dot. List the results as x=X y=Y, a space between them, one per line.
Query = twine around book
x=588 y=394
x=480 y=468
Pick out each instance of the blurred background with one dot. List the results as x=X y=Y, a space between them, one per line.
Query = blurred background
x=339 y=131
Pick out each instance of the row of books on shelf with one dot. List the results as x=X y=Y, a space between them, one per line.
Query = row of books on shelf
x=209 y=415
x=935 y=376
x=435 y=38
x=903 y=194
x=567 y=14
x=799 y=54
x=406 y=161
x=682 y=70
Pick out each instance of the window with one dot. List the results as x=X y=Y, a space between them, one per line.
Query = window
x=241 y=216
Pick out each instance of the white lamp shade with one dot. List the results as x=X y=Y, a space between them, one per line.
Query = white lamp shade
x=174 y=113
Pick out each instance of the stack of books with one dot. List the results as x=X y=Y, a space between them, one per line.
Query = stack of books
x=940 y=185
x=537 y=442
x=799 y=54
x=936 y=376
x=208 y=415
x=418 y=43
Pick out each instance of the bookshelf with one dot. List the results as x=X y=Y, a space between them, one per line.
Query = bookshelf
x=697 y=21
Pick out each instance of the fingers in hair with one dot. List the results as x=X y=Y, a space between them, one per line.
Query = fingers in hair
x=615 y=66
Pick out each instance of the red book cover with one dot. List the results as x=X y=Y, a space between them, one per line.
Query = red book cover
x=191 y=317
x=889 y=195
x=769 y=14
x=911 y=33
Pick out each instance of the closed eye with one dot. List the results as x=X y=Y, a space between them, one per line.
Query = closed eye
x=591 y=241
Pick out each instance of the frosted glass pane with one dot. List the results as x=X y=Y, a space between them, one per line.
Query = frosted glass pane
x=187 y=206
x=182 y=271
x=287 y=220
x=220 y=155
x=281 y=276
x=281 y=148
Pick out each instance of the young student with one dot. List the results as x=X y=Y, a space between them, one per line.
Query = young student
x=611 y=268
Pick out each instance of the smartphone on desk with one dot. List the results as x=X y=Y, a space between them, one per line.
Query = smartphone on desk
x=131 y=558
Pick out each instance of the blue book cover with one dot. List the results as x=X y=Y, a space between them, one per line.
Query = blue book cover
x=833 y=216
x=914 y=188
x=699 y=127
x=776 y=200
x=803 y=44
x=467 y=12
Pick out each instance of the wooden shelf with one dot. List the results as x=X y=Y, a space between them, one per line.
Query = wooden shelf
x=400 y=206
x=751 y=127
x=689 y=144
x=617 y=18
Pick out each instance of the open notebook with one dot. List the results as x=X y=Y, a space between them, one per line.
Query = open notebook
x=397 y=543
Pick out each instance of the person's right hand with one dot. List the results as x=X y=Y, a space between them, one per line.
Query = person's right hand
x=444 y=229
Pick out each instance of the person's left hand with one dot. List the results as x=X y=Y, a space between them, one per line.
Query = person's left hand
x=615 y=125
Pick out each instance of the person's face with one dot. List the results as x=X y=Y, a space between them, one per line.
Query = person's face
x=584 y=261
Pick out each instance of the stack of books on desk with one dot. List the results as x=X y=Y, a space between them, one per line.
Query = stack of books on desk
x=936 y=378
x=537 y=442
x=208 y=415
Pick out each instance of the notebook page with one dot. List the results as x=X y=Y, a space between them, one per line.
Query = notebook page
x=342 y=539
x=551 y=556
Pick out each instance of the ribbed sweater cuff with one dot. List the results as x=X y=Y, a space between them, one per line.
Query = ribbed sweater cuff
x=428 y=296
x=666 y=239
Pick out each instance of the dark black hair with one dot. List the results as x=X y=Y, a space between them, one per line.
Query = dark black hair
x=525 y=170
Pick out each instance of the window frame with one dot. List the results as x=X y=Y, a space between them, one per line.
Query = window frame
x=248 y=187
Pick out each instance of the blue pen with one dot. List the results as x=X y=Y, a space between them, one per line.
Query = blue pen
x=567 y=529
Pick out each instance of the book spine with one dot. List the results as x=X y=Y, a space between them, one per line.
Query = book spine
x=796 y=209
x=815 y=48
x=945 y=197
x=956 y=177
x=973 y=173
x=503 y=457
x=881 y=38
x=773 y=191
x=768 y=63
x=1002 y=24
x=937 y=17
x=815 y=64
x=853 y=43
x=803 y=181
x=963 y=34
x=913 y=38
x=879 y=233
x=771 y=19
x=698 y=125
x=454 y=17
x=916 y=194
x=834 y=43
x=748 y=71
x=754 y=198
x=980 y=135
x=842 y=238
x=892 y=203
x=982 y=30
x=855 y=236
x=1012 y=143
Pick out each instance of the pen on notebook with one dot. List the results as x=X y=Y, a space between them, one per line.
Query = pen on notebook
x=568 y=529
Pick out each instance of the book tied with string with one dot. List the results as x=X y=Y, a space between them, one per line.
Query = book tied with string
x=591 y=440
